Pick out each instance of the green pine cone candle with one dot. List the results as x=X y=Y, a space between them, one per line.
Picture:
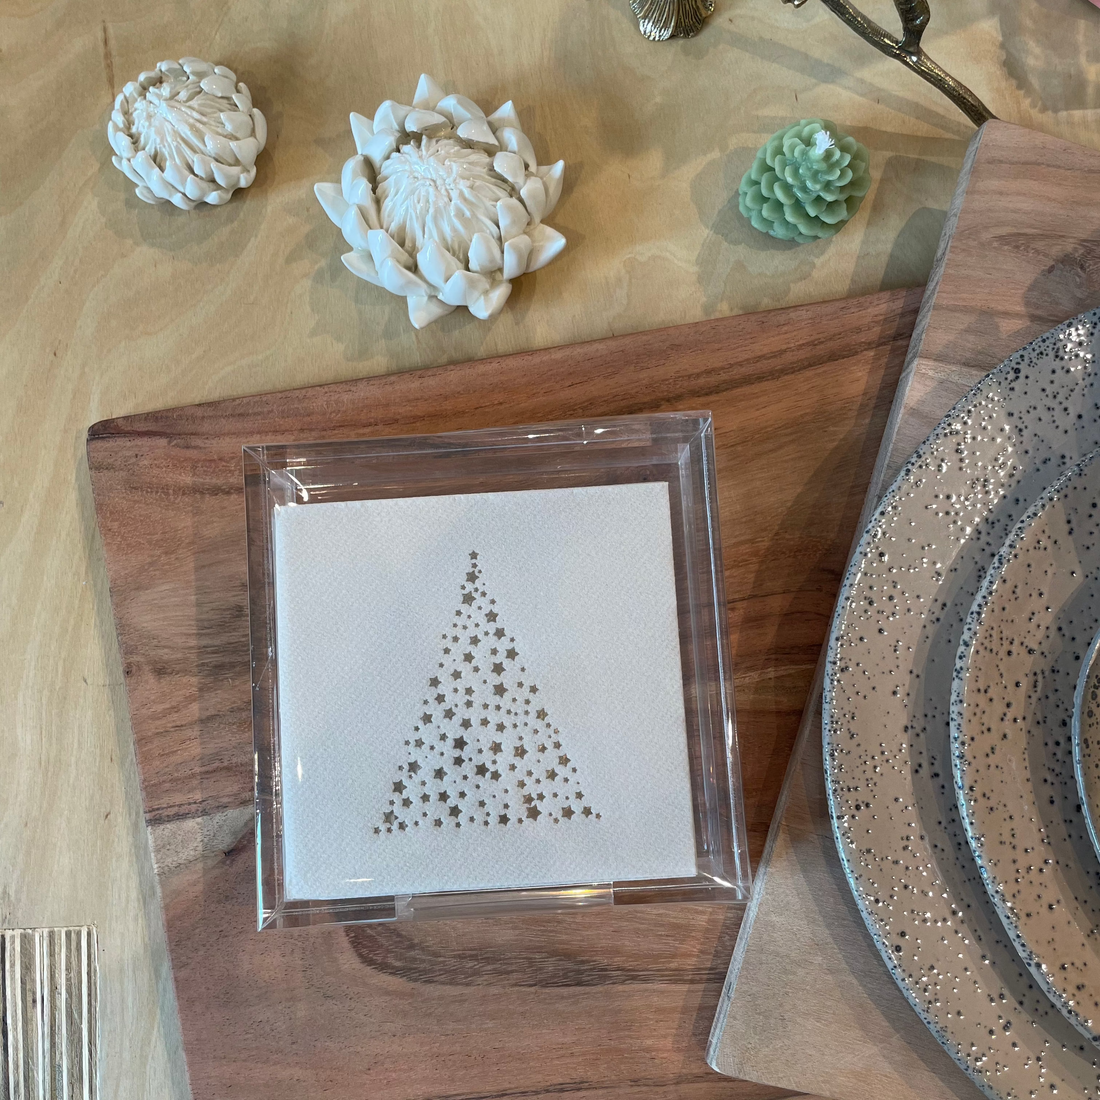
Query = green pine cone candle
x=806 y=182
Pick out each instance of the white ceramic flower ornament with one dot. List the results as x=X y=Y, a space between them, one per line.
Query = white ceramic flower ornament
x=186 y=132
x=444 y=205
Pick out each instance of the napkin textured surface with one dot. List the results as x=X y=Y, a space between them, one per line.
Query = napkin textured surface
x=480 y=691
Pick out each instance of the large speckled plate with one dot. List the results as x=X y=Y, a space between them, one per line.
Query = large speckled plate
x=886 y=716
x=1086 y=740
x=1011 y=730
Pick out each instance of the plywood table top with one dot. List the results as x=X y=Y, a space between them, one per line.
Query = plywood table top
x=110 y=307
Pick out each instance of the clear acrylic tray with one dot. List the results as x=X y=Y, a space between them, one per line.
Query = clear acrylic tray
x=491 y=673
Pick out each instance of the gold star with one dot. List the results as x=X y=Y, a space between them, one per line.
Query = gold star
x=534 y=813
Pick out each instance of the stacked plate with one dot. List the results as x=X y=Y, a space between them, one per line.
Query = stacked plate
x=962 y=724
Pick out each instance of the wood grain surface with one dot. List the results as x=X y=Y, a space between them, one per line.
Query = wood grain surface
x=593 y=1004
x=1009 y=267
x=109 y=307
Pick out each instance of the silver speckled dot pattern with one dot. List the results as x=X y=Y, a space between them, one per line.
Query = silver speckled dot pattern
x=1011 y=715
x=1086 y=740
x=886 y=714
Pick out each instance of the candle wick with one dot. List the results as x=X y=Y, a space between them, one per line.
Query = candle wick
x=822 y=141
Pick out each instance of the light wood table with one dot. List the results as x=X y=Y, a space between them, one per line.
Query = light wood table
x=109 y=306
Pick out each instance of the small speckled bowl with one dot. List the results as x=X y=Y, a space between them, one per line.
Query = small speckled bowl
x=1086 y=739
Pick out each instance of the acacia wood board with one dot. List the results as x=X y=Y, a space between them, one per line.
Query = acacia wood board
x=1019 y=254
x=611 y=1003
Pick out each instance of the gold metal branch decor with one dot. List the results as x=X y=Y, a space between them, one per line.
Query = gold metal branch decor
x=663 y=19
x=908 y=50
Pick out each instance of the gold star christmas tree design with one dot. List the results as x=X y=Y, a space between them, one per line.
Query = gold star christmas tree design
x=484 y=751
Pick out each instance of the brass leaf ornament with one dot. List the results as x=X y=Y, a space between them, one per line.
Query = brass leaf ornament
x=661 y=20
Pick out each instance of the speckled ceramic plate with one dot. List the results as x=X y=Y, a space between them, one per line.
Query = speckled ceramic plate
x=886 y=717
x=1012 y=747
x=1086 y=740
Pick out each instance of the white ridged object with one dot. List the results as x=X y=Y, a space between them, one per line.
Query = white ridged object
x=444 y=205
x=49 y=1014
x=186 y=133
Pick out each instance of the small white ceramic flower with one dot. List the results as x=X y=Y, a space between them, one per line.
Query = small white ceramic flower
x=444 y=205
x=186 y=132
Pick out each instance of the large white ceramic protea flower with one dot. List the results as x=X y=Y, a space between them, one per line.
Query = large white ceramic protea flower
x=186 y=132
x=443 y=205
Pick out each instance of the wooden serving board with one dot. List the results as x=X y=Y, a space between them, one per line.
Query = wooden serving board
x=808 y=1005
x=610 y=1003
